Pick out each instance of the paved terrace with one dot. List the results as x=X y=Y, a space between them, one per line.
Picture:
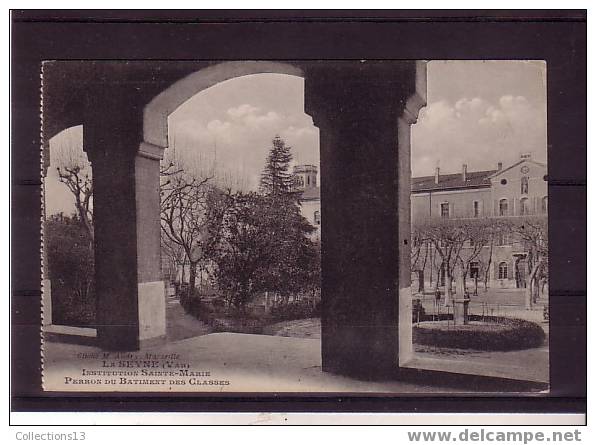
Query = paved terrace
x=250 y=363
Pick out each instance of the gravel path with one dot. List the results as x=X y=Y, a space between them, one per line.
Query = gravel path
x=180 y=325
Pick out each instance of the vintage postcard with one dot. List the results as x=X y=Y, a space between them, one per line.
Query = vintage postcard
x=295 y=226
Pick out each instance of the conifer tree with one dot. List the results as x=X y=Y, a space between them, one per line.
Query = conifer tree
x=276 y=179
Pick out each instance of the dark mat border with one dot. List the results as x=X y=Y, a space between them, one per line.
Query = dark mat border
x=559 y=37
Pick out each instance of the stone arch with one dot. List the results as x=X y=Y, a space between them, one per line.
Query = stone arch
x=155 y=115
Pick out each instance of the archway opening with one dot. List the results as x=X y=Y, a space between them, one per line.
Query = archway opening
x=477 y=220
x=69 y=270
x=241 y=209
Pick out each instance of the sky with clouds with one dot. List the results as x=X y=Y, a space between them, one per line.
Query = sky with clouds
x=230 y=126
x=478 y=113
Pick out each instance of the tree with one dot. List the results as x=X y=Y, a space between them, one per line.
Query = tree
x=295 y=250
x=457 y=243
x=447 y=238
x=276 y=179
x=74 y=171
x=533 y=233
x=71 y=270
x=294 y=253
x=266 y=243
x=192 y=210
x=245 y=252
x=418 y=260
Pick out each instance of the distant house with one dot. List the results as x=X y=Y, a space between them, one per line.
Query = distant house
x=516 y=191
x=310 y=199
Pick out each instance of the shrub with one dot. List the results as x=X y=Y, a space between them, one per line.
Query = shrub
x=71 y=271
x=220 y=317
x=514 y=334
x=295 y=310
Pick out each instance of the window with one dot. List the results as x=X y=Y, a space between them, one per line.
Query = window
x=503 y=239
x=523 y=206
x=444 y=210
x=474 y=270
x=317 y=217
x=524 y=185
x=476 y=207
x=545 y=204
x=503 y=207
x=503 y=270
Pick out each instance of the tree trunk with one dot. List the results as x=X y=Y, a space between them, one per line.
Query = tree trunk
x=448 y=287
x=183 y=273
x=421 y=281
x=432 y=265
x=460 y=278
x=192 y=278
x=487 y=273
x=530 y=286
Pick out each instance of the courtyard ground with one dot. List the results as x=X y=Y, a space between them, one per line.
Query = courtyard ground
x=288 y=358
x=528 y=364
x=234 y=363
x=179 y=324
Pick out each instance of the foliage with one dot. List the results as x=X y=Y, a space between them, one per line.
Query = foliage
x=513 y=334
x=245 y=253
x=265 y=243
x=533 y=232
x=223 y=318
x=276 y=178
x=296 y=310
x=457 y=243
x=70 y=270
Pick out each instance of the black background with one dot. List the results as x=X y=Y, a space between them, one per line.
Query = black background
x=559 y=37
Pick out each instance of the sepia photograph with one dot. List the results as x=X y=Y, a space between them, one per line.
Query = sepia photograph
x=299 y=217
x=258 y=226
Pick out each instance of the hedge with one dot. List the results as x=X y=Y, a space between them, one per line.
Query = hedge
x=517 y=334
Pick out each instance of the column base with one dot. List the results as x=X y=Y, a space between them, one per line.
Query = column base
x=152 y=310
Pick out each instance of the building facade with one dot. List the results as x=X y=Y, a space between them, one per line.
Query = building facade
x=515 y=191
x=310 y=199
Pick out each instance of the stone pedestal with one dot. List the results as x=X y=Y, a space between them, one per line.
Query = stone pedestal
x=460 y=311
x=365 y=184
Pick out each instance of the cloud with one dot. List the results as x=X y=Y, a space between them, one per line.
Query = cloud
x=242 y=110
x=239 y=140
x=477 y=132
x=254 y=120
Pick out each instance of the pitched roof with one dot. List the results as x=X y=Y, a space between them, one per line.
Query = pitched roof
x=521 y=161
x=478 y=179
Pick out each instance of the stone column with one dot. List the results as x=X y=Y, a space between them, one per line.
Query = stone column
x=359 y=108
x=129 y=289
